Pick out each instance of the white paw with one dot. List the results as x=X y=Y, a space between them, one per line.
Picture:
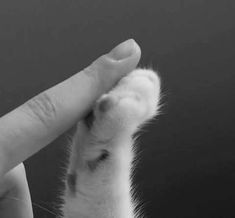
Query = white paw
x=133 y=101
x=118 y=114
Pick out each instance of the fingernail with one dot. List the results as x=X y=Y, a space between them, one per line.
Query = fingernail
x=123 y=50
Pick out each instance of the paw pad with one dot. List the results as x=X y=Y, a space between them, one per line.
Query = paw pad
x=105 y=104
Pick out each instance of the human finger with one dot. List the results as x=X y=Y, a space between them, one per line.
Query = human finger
x=36 y=123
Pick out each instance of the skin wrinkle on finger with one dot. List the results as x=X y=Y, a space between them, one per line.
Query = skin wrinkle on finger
x=26 y=130
x=42 y=107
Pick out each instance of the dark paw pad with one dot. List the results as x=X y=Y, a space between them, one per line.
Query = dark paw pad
x=93 y=164
x=89 y=119
x=105 y=105
x=71 y=180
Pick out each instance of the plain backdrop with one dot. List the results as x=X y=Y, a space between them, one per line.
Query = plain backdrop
x=187 y=167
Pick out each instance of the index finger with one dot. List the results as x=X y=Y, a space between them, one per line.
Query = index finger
x=36 y=123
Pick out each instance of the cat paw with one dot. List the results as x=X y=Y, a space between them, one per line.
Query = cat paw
x=117 y=115
x=133 y=101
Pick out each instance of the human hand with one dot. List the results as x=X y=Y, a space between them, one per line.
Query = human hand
x=36 y=123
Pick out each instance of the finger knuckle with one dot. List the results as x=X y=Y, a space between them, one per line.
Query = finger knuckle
x=91 y=72
x=43 y=108
x=99 y=71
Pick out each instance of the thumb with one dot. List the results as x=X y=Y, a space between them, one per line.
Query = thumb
x=36 y=123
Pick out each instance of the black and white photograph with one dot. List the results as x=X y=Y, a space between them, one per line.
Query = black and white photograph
x=117 y=109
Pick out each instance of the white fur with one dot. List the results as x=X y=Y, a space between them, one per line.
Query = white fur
x=103 y=187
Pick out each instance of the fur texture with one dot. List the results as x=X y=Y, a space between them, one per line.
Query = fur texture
x=98 y=180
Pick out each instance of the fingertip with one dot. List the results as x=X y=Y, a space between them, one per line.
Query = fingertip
x=120 y=61
x=125 y=50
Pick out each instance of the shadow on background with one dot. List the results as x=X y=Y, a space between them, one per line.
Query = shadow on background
x=188 y=160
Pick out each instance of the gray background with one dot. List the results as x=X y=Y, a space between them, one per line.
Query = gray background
x=188 y=159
